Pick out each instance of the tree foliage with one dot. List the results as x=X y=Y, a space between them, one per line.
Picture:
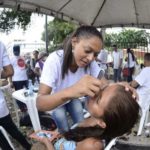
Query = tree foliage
x=10 y=17
x=58 y=30
x=128 y=38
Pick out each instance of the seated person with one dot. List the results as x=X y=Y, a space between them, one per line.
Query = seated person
x=113 y=111
x=142 y=81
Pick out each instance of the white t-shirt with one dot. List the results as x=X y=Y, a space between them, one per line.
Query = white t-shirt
x=4 y=61
x=143 y=80
x=143 y=90
x=117 y=56
x=131 y=62
x=52 y=72
x=20 y=72
x=102 y=56
x=37 y=65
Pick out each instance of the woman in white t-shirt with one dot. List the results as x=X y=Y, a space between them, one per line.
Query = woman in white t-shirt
x=69 y=74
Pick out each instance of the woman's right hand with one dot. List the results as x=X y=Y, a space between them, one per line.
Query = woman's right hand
x=86 y=86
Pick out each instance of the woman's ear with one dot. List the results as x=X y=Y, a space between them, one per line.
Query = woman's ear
x=101 y=123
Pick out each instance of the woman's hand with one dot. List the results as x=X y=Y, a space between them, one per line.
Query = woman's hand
x=86 y=86
x=128 y=87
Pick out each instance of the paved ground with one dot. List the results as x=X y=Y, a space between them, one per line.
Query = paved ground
x=130 y=142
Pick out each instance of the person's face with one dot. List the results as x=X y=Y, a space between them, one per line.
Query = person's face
x=44 y=58
x=16 y=52
x=114 y=48
x=97 y=104
x=35 y=55
x=85 y=50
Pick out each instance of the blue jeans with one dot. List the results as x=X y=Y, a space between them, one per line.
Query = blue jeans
x=117 y=74
x=75 y=109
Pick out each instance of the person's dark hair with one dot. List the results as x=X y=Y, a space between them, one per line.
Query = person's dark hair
x=16 y=48
x=147 y=56
x=114 y=45
x=131 y=52
x=81 y=32
x=36 y=51
x=120 y=115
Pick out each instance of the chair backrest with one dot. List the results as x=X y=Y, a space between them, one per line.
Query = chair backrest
x=110 y=144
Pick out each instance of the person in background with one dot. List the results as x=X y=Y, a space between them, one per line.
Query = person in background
x=70 y=73
x=34 y=59
x=142 y=81
x=40 y=63
x=19 y=80
x=130 y=64
x=102 y=60
x=6 y=70
x=117 y=63
x=113 y=113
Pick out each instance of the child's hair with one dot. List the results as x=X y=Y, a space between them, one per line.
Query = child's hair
x=120 y=115
x=85 y=32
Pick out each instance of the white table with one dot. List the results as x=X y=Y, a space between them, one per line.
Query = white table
x=30 y=102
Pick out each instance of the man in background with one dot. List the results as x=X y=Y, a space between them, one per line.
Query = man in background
x=102 y=60
x=117 y=63
x=19 y=80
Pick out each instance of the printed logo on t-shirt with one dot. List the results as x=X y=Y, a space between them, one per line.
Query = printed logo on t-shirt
x=21 y=63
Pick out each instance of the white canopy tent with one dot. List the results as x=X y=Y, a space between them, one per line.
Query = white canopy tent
x=99 y=13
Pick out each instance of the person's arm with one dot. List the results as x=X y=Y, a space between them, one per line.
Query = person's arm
x=120 y=65
x=48 y=144
x=134 y=84
x=37 y=71
x=3 y=82
x=90 y=144
x=7 y=71
x=86 y=86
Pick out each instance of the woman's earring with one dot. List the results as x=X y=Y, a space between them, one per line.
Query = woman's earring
x=72 y=50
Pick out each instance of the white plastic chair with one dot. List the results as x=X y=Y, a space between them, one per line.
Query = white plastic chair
x=30 y=102
x=7 y=137
x=144 y=102
x=110 y=144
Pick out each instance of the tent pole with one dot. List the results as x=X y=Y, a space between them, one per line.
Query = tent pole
x=46 y=34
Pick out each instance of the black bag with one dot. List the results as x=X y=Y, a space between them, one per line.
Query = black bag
x=45 y=120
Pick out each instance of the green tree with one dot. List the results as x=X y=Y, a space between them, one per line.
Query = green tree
x=58 y=30
x=11 y=17
x=128 y=38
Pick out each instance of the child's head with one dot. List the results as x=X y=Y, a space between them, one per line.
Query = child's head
x=115 y=110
